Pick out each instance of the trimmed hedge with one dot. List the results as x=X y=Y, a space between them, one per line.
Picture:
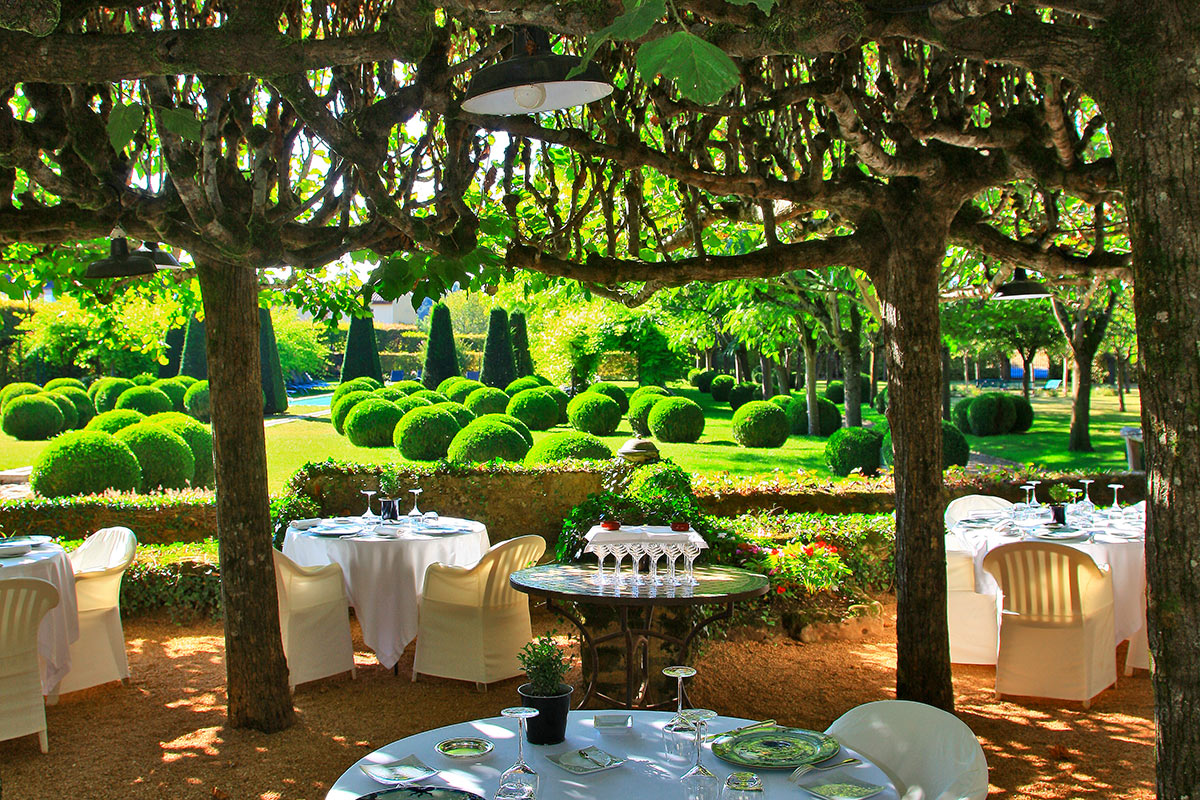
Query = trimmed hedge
x=425 y=433
x=143 y=379
x=514 y=423
x=342 y=407
x=165 y=458
x=487 y=400
x=1024 y=419
x=781 y=400
x=462 y=389
x=408 y=403
x=390 y=393
x=355 y=385
x=370 y=423
x=32 y=417
x=56 y=383
x=113 y=421
x=594 y=413
x=676 y=419
x=109 y=391
x=199 y=440
x=445 y=385
x=197 y=402
x=486 y=440
x=85 y=462
x=172 y=388
x=760 y=424
x=462 y=415
x=955 y=450
x=829 y=418
x=559 y=397
x=535 y=408
x=145 y=399
x=960 y=414
x=193 y=360
x=66 y=407
x=639 y=412
x=720 y=387
x=84 y=408
x=850 y=449
x=613 y=391
x=743 y=393
x=432 y=396
x=567 y=444
x=521 y=384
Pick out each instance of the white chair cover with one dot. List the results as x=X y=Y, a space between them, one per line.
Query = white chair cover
x=98 y=655
x=962 y=507
x=314 y=619
x=23 y=603
x=1138 y=655
x=973 y=617
x=471 y=623
x=928 y=753
x=1056 y=630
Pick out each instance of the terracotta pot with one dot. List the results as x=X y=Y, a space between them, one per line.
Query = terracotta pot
x=550 y=725
x=681 y=526
x=610 y=525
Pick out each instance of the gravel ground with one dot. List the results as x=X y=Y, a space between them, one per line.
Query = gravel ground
x=162 y=737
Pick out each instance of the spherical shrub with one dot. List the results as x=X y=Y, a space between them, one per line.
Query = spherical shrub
x=113 y=421
x=613 y=391
x=70 y=415
x=165 y=458
x=991 y=414
x=676 y=419
x=829 y=419
x=432 y=396
x=197 y=402
x=58 y=383
x=424 y=433
x=486 y=440
x=84 y=409
x=408 y=403
x=143 y=379
x=781 y=400
x=342 y=407
x=881 y=400
x=567 y=444
x=445 y=386
x=704 y=380
x=16 y=390
x=961 y=414
x=187 y=380
x=408 y=387
x=372 y=422
x=760 y=424
x=514 y=423
x=1024 y=414
x=95 y=388
x=363 y=384
x=835 y=392
x=542 y=380
x=955 y=450
x=720 y=387
x=488 y=400
x=521 y=384
x=462 y=390
x=462 y=415
x=645 y=390
x=850 y=449
x=145 y=399
x=85 y=462
x=743 y=393
x=173 y=389
x=639 y=412
x=694 y=375
x=32 y=417
x=113 y=388
x=390 y=393
x=560 y=398
x=594 y=413
x=864 y=392
x=535 y=408
x=199 y=440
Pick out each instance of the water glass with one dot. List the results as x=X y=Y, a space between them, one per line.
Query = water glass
x=743 y=786
x=520 y=781
x=369 y=515
x=1115 y=510
x=430 y=518
x=698 y=782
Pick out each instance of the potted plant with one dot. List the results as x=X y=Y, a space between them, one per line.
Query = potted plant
x=545 y=664
x=1058 y=499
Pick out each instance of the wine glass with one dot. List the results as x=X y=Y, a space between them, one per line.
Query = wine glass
x=678 y=722
x=369 y=515
x=654 y=552
x=601 y=554
x=698 y=782
x=1033 y=501
x=520 y=773
x=742 y=786
x=1114 y=511
x=619 y=552
x=414 y=516
x=690 y=552
x=636 y=551
x=674 y=551
x=1087 y=507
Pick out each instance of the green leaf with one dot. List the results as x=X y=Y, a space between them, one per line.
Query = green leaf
x=123 y=122
x=179 y=121
x=764 y=6
x=701 y=71
x=636 y=22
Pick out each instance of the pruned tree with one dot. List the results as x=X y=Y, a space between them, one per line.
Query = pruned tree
x=1083 y=320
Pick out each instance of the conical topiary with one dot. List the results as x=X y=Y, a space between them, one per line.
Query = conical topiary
x=194 y=361
x=520 y=344
x=441 y=356
x=275 y=400
x=362 y=352
x=174 y=351
x=499 y=370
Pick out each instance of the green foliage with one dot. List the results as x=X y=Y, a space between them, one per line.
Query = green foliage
x=545 y=664
x=705 y=379
x=660 y=479
x=185 y=589
x=487 y=440
x=286 y=509
x=693 y=376
x=835 y=392
x=425 y=433
x=187 y=380
x=760 y=424
x=462 y=415
x=743 y=393
x=499 y=368
x=1023 y=414
x=561 y=400
x=639 y=412
x=70 y=415
x=342 y=407
x=462 y=389
x=955 y=450
x=612 y=390
x=32 y=417
x=275 y=399
x=408 y=403
x=168 y=364
x=113 y=421
x=173 y=389
x=512 y=422
x=354 y=385
x=389 y=393
x=362 y=353
x=567 y=445
x=197 y=402
x=371 y=423
x=145 y=399
x=676 y=419
x=445 y=386
x=487 y=400
x=441 y=355
x=299 y=344
x=520 y=344
x=1059 y=494
x=535 y=408
x=409 y=387
x=594 y=413
x=853 y=449
x=992 y=413
x=165 y=458
x=194 y=360
x=111 y=389
x=701 y=71
x=720 y=387
x=961 y=414
x=84 y=409
x=121 y=337
x=433 y=397
x=829 y=418
x=16 y=390
x=143 y=379
x=645 y=390
x=57 y=383
x=521 y=384
x=881 y=400
x=781 y=400
x=85 y=462
x=199 y=440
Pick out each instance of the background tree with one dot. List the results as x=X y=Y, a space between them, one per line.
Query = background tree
x=275 y=399
x=1083 y=319
x=520 y=343
x=441 y=354
x=194 y=360
x=499 y=369
x=173 y=343
x=362 y=350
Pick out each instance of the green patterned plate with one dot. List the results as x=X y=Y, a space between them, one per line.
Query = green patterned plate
x=775 y=748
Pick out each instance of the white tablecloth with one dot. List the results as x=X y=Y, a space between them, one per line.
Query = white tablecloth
x=384 y=577
x=647 y=773
x=60 y=626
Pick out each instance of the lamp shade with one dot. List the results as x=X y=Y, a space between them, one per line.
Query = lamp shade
x=533 y=81
x=1021 y=287
x=160 y=257
x=120 y=262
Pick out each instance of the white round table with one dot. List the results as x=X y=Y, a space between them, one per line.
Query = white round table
x=647 y=772
x=60 y=626
x=385 y=576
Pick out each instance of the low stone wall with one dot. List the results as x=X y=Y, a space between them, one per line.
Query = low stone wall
x=154 y=519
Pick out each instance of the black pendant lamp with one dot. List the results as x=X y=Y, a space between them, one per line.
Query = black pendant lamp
x=533 y=79
x=120 y=262
x=160 y=257
x=1021 y=287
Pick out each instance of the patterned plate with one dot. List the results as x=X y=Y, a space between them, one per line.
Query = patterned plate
x=775 y=748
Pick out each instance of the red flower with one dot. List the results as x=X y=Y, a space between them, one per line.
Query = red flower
x=808 y=550
x=780 y=590
x=774 y=551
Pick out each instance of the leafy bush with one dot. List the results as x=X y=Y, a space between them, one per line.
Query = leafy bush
x=704 y=380
x=487 y=440
x=851 y=449
x=371 y=423
x=113 y=421
x=446 y=384
x=462 y=415
x=639 y=412
x=535 y=408
x=514 y=423
x=342 y=407
x=32 y=417
x=85 y=462
x=567 y=444
x=1006 y=412
x=197 y=402
x=441 y=356
x=594 y=413
x=67 y=408
x=173 y=389
x=641 y=391
x=362 y=351
x=187 y=380
x=829 y=418
x=521 y=384
x=961 y=414
x=487 y=400
x=676 y=419
x=56 y=383
x=425 y=433
x=760 y=424
x=356 y=385
x=743 y=393
x=84 y=408
x=955 y=450
x=835 y=391
x=693 y=376
x=145 y=399
x=165 y=458
x=881 y=400
x=660 y=479
x=390 y=393
x=16 y=390
x=560 y=398
x=499 y=368
x=461 y=390
x=542 y=380
x=143 y=379
x=432 y=396
x=109 y=391
x=720 y=387
x=992 y=413
x=199 y=440
x=1024 y=414
x=408 y=387
x=299 y=343
x=408 y=403
x=613 y=391
x=781 y=400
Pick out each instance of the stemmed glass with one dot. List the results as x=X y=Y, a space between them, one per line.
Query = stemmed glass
x=698 y=782
x=690 y=552
x=679 y=722
x=1087 y=507
x=654 y=552
x=520 y=774
x=1074 y=504
x=674 y=551
x=636 y=551
x=1033 y=501
x=369 y=514
x=1115 y=510
x=414 y=516
x=619 y=551
x=601 y=554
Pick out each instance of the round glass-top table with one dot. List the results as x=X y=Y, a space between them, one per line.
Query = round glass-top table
x=561 y=584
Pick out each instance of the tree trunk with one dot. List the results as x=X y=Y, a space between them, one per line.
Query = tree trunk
x=1121 y=382
x=1027 y=373
x=1156 y=141
x=1080 y=438
x=741 y=364
x=851 y=370
x=945 y=382
x=809 y=342
x=764 y=364
x=256 y=672
x=1066 y=382
x=966 y=369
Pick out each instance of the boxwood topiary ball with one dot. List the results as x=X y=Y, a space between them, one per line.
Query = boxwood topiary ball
x=431 y=396
x=165 y=458
x=389 y=393
x=488 y=400
x=113 y=421
x=372 y=422
x=743 y=393
x=174 y=389
x=961 y=414
x=187 y=380
x=760 y=424
x=16 y=390
x=462 y=390
x=704 y=380
x=642 y=391
x=445 y=386
x=567 y=444
x=639 y=412
x=145 y=399
x=720 y=386
x=835 y=391
x=58 y=383
x=70 y=415
x=32 y=417
x=983 y=415
x=613 y=391
x=560 y=398
x=850 y=449
x=197 y=402
x=1024 y=417
x=363 y=384
x=535 y=408
x=487 y=440
x=542 y=380
x=594 y=413
x=676 y=419
x=110 y=390
x=85 y=462
x=829 y=419
x=514 y=423
x=408 y=403
x=84 y=408
x=199 y=439
x=462 y=415
x=881 y=400
x=143 y=379
x=955 y=450
x=781 y=400
x=424 y=433
x=1006 y=412
x=521 y=384
x=408 y=387
x=693 y=376
x=341 y=408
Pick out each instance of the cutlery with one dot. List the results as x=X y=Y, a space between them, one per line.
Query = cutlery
x=753 y=726
x=807 y=768
x=588 y=756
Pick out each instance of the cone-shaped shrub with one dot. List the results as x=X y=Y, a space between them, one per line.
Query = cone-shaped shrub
x=174 y=352
x=194 y=360
x=275 y=399
x=520 y=344
x=499 y=370
x=362 y=351
x=441 y=356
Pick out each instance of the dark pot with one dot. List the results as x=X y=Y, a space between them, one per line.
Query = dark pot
x=1060 y=514
x=549 y=726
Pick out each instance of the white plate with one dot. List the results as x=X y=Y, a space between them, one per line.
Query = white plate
x=14 y=549
x=397 y=773
x=596 y=760
x=33 y=540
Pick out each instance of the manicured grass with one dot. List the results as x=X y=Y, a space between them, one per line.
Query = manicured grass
x=15 y=453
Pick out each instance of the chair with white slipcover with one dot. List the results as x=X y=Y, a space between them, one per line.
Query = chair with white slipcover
x=98 y=655
x=962 y=507
x=1056 y=628
x=23 y=603
x=929 y=754
x=471 y=622
x=973 y=617
x=314 y=619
